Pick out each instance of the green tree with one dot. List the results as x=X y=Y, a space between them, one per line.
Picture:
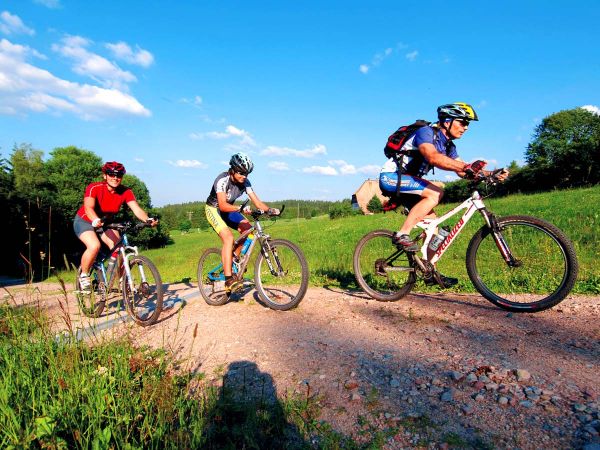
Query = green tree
x=69 y=170
x=565 y=150
x=28 y=172
x=375 y=205
x=185 y=226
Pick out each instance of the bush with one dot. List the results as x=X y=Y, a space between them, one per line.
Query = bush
x=342 y=209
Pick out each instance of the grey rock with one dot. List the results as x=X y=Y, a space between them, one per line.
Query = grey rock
x=471 y=378
x=526 y=404
x=503 y=400
x=456 y=376
x=394 y=383
x=469 y=409
x=447 y=396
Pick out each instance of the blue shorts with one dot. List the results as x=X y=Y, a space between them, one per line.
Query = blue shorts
x=408 y=184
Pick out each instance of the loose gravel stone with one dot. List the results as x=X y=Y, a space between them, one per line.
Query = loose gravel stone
x=522 y=375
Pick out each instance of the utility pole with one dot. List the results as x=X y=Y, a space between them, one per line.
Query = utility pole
x=189 y=213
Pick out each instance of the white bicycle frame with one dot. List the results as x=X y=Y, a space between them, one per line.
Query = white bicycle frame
x=429 y=226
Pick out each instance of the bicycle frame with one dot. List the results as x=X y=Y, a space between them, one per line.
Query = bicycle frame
x=429 y=226
x=240 y=266
x=126 y=251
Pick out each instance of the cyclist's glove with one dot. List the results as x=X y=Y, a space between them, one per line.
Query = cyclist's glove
x=273 y=212
x=471 y=170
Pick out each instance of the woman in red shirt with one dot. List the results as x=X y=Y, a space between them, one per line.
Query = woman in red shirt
x=103 y=199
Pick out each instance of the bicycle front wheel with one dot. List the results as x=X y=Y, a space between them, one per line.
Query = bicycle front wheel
x=92 y=303
x=211 y=279
x=281 y=274
x=145 y=301
x=383 y=271
x=541 y=274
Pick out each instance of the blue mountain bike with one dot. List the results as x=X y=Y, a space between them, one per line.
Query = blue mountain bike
x=280 y=269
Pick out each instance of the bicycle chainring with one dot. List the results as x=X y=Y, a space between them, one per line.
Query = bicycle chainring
x=427 y=274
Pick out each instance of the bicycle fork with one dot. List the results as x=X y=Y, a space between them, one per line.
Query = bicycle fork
x=267 y=251
x=127 y=268
x=499 y=240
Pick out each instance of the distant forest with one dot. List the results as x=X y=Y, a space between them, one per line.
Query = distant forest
x=191 y=215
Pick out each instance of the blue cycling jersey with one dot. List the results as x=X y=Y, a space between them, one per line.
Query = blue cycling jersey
x=416 y=163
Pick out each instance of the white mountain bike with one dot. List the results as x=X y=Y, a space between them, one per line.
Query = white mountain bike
x=519 y=263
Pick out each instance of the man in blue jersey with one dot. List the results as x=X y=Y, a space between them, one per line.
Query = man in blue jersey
x=433 y=146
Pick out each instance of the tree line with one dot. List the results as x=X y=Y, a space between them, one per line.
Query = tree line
x=186 y=216
x=41 y=199
x=564 y=153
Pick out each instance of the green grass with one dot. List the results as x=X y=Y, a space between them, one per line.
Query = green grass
x=329 y=244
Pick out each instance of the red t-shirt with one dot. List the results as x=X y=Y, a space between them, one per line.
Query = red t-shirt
x=107 y=203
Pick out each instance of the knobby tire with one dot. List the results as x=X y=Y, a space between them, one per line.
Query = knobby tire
x=146 y=304
x=92 y=304
x=383 y=271
x=546 y=270
x=286 y=288
x=212 y=292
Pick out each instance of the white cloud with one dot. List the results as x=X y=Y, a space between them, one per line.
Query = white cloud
x=370 y=169
x=137 y=159
x=592 y=109
x=27 y=88
x=351 y=169
x=188 y=163
x=52 y=4
x=196 y=101
x=379 y=57
x=140 y=57
x=321 y=170
x=245 y=138
x=92 y=65
x=11 y=24
x=273 y=150
x=278 y=165
x=412 y=55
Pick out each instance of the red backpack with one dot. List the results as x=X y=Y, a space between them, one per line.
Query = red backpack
x=399 y=137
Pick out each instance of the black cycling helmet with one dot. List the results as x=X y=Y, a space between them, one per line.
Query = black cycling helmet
x=458 y=110
x=114 y=168
x=241 y=163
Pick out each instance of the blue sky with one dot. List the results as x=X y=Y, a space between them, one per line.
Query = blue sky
x=310 y=90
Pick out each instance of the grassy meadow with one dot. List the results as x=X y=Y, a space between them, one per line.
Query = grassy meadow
x=329 y=244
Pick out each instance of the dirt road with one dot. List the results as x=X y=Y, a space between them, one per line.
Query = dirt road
x=451 y=365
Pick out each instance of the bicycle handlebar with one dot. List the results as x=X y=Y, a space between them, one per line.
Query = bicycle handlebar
x=126 y=226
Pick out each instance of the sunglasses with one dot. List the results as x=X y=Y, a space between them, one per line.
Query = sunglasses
x=115 y=174
x=244 y=174
x=464 y=123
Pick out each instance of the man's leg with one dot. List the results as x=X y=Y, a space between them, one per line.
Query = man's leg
x=430 y=197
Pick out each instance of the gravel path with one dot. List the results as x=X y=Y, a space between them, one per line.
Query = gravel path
x=438 y=368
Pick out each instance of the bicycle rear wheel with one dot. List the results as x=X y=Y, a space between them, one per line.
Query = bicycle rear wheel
x=211 y=279
x=544 y=271
x=92 y=304
x=144 y=303
x=383 y=271
x=281 y=274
